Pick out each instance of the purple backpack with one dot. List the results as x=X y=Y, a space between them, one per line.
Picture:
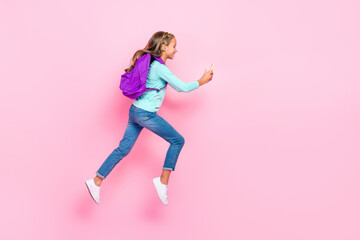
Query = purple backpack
x=133 y=83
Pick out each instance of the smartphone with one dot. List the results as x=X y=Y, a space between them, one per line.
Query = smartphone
x=212 y=67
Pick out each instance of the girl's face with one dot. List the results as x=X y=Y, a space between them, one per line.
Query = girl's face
x=169 y=51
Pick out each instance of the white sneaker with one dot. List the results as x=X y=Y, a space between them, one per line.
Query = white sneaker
x=161 y=189
x=93 y=190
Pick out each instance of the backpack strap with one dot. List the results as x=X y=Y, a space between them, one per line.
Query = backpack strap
x=147 y=89
x=162 y=62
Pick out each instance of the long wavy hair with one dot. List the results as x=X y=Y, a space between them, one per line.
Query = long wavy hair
x=153 y=47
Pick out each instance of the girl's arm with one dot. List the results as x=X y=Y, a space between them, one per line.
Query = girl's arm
x=180 y=86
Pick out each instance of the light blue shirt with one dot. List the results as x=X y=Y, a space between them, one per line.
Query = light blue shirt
x=157 y=77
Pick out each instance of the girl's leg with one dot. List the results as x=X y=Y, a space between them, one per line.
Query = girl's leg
x=164 y=178
x=159 y=126
x=130 y=136
x=98 y=180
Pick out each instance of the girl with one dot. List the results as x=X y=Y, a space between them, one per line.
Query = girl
x=142 y=114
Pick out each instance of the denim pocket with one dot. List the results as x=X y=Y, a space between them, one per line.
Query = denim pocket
x=144 y=116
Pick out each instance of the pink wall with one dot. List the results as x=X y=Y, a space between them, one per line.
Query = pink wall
x=272 y=143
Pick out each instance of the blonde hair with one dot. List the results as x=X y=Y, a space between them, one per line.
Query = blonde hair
x=153 y=47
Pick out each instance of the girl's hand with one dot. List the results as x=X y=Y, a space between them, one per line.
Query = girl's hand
x=207 y=77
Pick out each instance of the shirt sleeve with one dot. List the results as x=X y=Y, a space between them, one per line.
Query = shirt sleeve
x=180 y=86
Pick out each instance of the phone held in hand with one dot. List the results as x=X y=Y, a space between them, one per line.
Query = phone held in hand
x=212 y=66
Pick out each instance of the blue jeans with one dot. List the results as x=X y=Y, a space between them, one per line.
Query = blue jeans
x=138 y=119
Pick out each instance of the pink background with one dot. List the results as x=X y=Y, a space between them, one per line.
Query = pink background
x=271 y=144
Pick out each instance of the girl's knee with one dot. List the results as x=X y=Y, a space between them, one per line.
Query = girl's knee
x=180 y=140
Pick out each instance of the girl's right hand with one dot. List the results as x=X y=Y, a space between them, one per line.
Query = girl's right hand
x=206 y=77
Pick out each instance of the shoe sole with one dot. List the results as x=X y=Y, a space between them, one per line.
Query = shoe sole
x=157 y=190
x=90 y=193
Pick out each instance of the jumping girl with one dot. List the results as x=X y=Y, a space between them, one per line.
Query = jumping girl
x=142 y=113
